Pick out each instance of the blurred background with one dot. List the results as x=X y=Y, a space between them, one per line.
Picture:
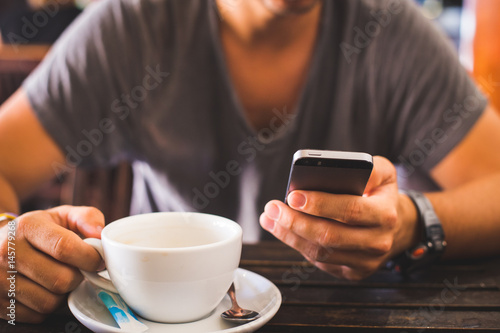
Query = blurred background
x=29 y=27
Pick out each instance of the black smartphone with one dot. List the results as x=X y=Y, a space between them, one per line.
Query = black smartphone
x=338 y=172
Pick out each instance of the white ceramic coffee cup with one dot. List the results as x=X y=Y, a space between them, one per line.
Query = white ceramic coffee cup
x=169 y=267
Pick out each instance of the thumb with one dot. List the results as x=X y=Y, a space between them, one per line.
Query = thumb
x=383 y=173
x=87 y=221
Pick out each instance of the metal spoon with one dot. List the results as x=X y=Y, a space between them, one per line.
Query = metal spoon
x=236 y=313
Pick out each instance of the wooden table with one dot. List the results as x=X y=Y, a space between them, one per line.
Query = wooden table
x=455 y=297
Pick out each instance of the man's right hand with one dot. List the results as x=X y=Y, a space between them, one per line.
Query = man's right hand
x=49 y=252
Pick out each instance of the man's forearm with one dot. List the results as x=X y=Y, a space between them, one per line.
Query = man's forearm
x=470 y=215
x=9 y=201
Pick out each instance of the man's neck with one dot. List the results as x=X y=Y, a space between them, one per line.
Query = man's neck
x=252 y=25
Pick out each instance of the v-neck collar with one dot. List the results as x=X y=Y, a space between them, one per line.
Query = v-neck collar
x=312 y=72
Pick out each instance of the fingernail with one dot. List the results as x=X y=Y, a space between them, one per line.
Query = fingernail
x=267 y=223
x=296 y=200
x=272 y=211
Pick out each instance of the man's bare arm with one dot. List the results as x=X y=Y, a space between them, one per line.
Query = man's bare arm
x=470 y=176
x=8 y=198
x=27 y=152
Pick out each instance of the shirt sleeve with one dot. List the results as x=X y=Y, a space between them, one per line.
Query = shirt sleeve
x=79 y=92
x=429 y=97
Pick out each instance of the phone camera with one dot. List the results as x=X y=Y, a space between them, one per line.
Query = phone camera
x=318 y=163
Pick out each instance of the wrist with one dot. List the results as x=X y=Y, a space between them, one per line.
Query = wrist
x=410 y=230
x=431 y=244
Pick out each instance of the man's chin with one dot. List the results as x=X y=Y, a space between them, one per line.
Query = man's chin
x=287 y=7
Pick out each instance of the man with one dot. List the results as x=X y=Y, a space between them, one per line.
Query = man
x=210 y=110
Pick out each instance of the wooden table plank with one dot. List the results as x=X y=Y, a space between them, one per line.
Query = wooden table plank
x=391 y=297
x=389 y=319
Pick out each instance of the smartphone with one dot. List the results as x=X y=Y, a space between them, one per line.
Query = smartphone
x=338 y=172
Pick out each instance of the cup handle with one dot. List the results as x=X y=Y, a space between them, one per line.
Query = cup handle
x=93 y=277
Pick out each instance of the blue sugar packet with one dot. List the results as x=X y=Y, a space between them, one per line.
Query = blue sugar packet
x=120 y=311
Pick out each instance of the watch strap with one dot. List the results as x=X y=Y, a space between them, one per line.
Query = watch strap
x=433 y=231
x=432 y=245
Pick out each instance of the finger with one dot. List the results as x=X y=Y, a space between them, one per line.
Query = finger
x=334 y=270
x=290 y=239
x=350 y=209
x=326 y=233
x=356 y=260
x=22 y=313
x=36 y=297
x=56 y=241
x=383 y=173
x=326 y=256
x=88 y=221
x=55 y=276
x=343 y=272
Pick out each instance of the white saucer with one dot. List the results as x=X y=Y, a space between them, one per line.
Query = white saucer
x=253 y=292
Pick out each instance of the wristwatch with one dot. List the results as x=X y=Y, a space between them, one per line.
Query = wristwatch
x=432 y=246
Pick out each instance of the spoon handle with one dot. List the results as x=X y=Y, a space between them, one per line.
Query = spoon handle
x=234 y=304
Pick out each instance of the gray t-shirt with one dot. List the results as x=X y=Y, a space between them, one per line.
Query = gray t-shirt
x=146 y=81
